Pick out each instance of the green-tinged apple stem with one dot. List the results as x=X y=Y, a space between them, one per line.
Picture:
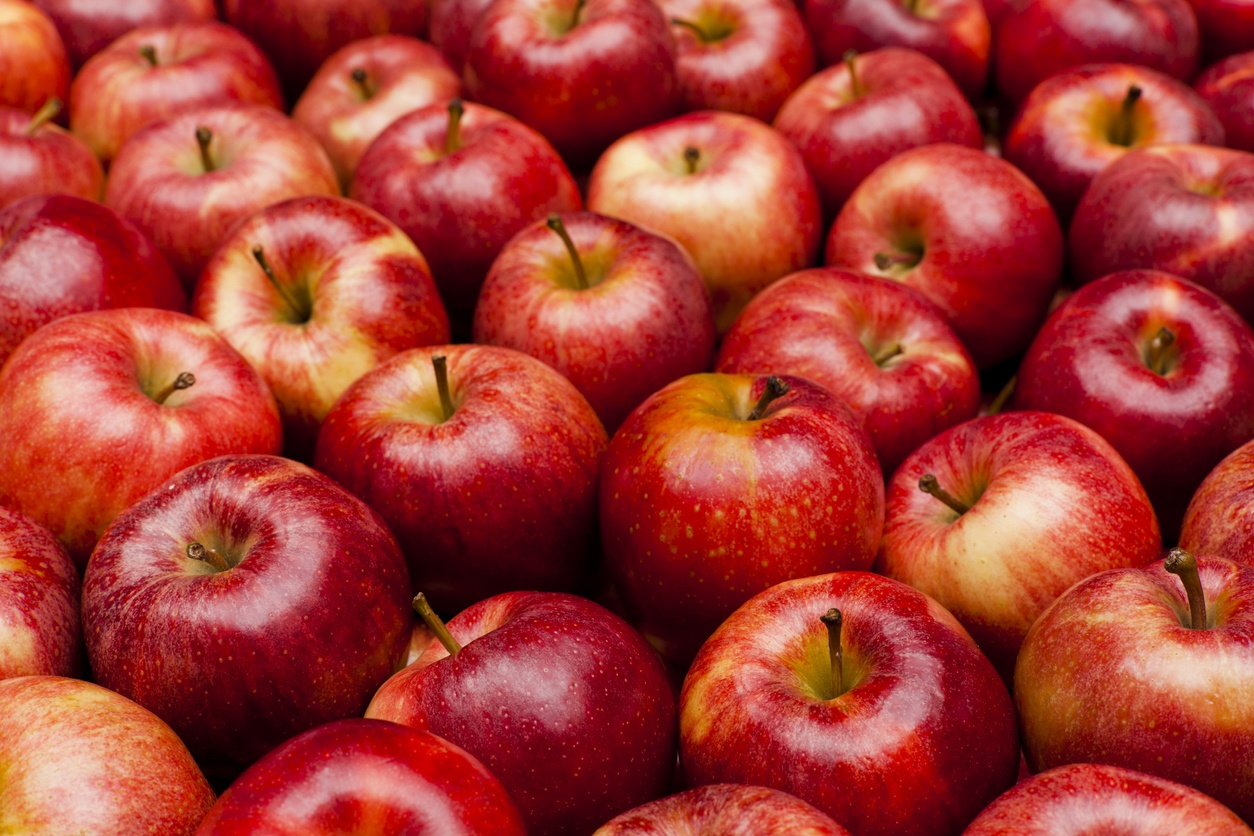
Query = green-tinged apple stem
x=44 y=115
x=999 y=402
x=196 y=551
x=832 y=620
x=555 y=223
x=929 y=484
x=887 y=354
x=362 y=79
x=435 y=625
x=297 y=309
x=453 y=137
x=692 y=156
x=204 y=136
x=183 y=381
x=149 y=54
x=1184 y=565
x=774 y=388
x=1121 y=133
x=1156 y=358
x=850 y=58
x=440 y=364
x=885 y=260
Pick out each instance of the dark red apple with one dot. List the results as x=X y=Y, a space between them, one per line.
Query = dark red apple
x=34 y=66
x=1228 y=87
x=724 y=810
x=88 y=26
x=39 y=590
x=38 y=157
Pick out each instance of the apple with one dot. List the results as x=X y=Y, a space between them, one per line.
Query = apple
x=439 y=449
x=97 y=409
x=39 y=588
x=351 y=774
x=724 y=810
x=38 y=157
x=1168 y=664
x=34 y=66
x=618 y=310
x=883 y=349
x=61 y=255
x=557 y=696
x=857 y=694
x=1228 y=88
x=735 y=193
x=77 y=758
x=158 y=72
x=88 y=26
x=953 y=223
x=450 y=26
x=1218 y=519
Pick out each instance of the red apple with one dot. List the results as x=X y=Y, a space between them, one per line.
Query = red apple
x=39 y=588
x=1226 y=27
x=857 y=694
x=77 y=758
x=88 y=26
x=37 y=157
x=247 y=600
x=557 y=696
x=97 y=409
x=354 y=774
x=724 y=810
x=883 y=349
x=619 y=311
x=446 y=476
x=450 y=27
x=34 y=66
x=1219 y=519
x=1228 y=88
x=158 y=72
x=61 y=255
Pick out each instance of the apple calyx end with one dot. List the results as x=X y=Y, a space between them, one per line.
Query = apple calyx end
x=199 y=552
x=440 y=364
x=1183 y=565
x=554 y=222
x=184 y=380
x=929 y=484
x=435 y=624
x=774 y=388
x=44 y=115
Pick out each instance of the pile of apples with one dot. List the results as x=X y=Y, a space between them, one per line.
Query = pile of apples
x=627 y=416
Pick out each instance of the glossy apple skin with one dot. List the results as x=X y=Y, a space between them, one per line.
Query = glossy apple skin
x=1151 y=695
x=1228 y=88
x=646 y=320
x=1051 y=503
x=1038 y=39
x=158 y=182
x=462 y=208
x=370 y=296
x=403 y=74
x=1220 y=516
x=34 y=66
x=52 y=161
x=1092 y=798
x=925 y=727
x=764 y=55
x=953 y=33
x=922 y=199
x=450 y=27
x=80 y=759
x=84 y=437
x=905 y=100
x=357 y=776
x=724 y=810
x=312 y=617
x=88 y=26
x=39 y=589
x=616 y=61
x=826 y=324
x=701 y=508
x=448 y=489
x=569 y=685
x=1063 y=135
x=749 y=215
x=1088 y=363
x=199 y=64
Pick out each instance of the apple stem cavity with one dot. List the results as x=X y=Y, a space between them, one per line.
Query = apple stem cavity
x=196 y=551
x=1156 y=358
x=692 y=156
x=1122 y=132
x=453 y=137
x=299 y=311
x=850 y=58
x=362 y=80
x=204 y=136
x=149 y=53
x=435 y=625
x=929 y=484
x=1184 y=565
x=185 y=380
x=555 y=223
x=833 y=620
x=999 y=403
x=44 y=115
x=884 y=261
x=775 y=388
x=440 y=364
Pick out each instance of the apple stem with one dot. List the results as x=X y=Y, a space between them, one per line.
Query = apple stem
x=196 y=551
x=850 y=58
x=555 y=223
x=1122 y=132
x=44 y=115
x=440 y=364
x=149 y=54
x=260 y=255
x=1184 y=565
x=204 y=136
x=774 y=388
x=692 y=156
x=183 y=381
x=929 y=484
x=887 y=354
x=885 y=260
x=1158 y=346
x=435 y=625
x=999 y=403
x=832 y=620
x=453 y=137
x=362 y=80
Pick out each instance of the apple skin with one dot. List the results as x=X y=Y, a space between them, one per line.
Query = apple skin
x=34 y=66
x=450 y=27
x=1051 y=503
x=61 y=255
x=724 y=810
x=448 y=488
x=80 y=759
x=1228 y=88
x=84 y=437
x=1064 y=133
x=1093 y=798
x=260 y=157
x=88 y=26
x=357 y=776
x=646 y=320
x=702 y=508
x=920 y=204
x=369 y=296
x=905 y=100
x=39 y=590
x=1151 y=694
x=1220 y=516
x=828 y=324
x=50 y=161
x=403 y=74
x=199 y=64
x=749 y=214
x=311 y=618
x=565 y=683
x=1088 y=363
x=925 y=726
